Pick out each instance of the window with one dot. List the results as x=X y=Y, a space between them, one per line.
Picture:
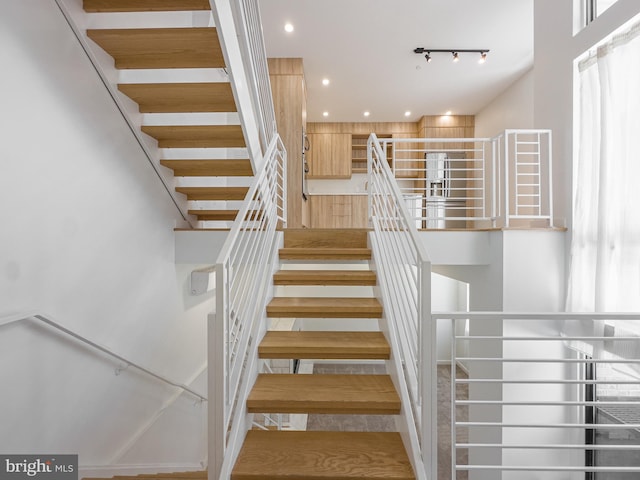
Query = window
x=586 y=11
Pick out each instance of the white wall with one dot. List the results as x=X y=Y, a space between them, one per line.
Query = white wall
x=86 y=235
x=555 y=49
x=513 y=108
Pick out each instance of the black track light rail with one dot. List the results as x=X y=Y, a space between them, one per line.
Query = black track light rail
x=421 y=50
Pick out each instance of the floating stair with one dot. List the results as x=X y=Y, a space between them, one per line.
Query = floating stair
x=320 y=307
x=181 y=97
x=343 y=455
x=325 y=345
x=196 y=136
x=213 y=193
x=325 y=277
x=103 y=6
x=186 y=99
x=209 y=168
x=336 y=394
x=325 y=244
x=145 y=48
x=325 y=253
x=322 y=455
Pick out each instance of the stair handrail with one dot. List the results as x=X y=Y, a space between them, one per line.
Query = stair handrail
x=240 y=34
x=48 y=320
x=404 y=272
x=244 y=270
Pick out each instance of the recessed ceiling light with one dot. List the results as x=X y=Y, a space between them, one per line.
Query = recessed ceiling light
x=325 y=114
x=326 y=81
x=447 y=113
x=407 y=113
x=366 y=114
x=288 y=27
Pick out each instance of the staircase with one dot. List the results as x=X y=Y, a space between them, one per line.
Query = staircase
x=171 y=65
x=324 y=454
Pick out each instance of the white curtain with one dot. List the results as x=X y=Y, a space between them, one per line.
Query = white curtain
x=605 y=250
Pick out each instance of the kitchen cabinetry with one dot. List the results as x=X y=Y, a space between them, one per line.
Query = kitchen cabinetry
x=339 y=211
x=329 y=155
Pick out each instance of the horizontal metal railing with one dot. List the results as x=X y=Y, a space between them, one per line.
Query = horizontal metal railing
x=244 y=271
x=404 y=274
x=47 y=320
x=542 y=395
x=475 y=182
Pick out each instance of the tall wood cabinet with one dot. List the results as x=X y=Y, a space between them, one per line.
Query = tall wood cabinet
x=290 y=103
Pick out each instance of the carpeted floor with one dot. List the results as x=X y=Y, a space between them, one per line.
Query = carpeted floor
x=382 y=423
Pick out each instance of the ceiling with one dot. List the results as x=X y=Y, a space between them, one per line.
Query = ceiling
x=365 y=48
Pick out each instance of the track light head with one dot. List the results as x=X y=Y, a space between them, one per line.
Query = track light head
x=455 y=52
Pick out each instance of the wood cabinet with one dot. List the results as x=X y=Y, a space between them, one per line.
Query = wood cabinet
x=359 y=152
x=339 y=211
x=329 y=155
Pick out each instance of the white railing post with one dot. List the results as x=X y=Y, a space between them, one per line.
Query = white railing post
x=217 y=388
x=429 y=379
x=507 y=200
x=550 y=182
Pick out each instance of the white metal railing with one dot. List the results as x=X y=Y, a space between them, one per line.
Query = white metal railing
x=536 y=402
x=404 y=274
x=249 y=24
x=243 y=277
x=47 y=320
x=475 y=182
x=240 y=33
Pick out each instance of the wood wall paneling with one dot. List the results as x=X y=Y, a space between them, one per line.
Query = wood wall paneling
x=290 y=103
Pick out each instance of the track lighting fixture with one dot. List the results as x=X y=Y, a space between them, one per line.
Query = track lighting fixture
x=454 y=52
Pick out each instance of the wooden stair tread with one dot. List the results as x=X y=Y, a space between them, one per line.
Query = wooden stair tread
x=322 y=455
x=334 y=394
x=213 y=193
x=324 y=277
x=326 y=238
x=94 y=6
x=319 y=253
x=209 y=168
x=196 y=136
x=214 y=215
x=320 y=307
x=180 y=97
x=194 y=47
x=189 y=474
x=324 y=345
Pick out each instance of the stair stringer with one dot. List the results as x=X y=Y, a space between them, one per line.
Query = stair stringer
x=405 y=421
x=220 y=466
